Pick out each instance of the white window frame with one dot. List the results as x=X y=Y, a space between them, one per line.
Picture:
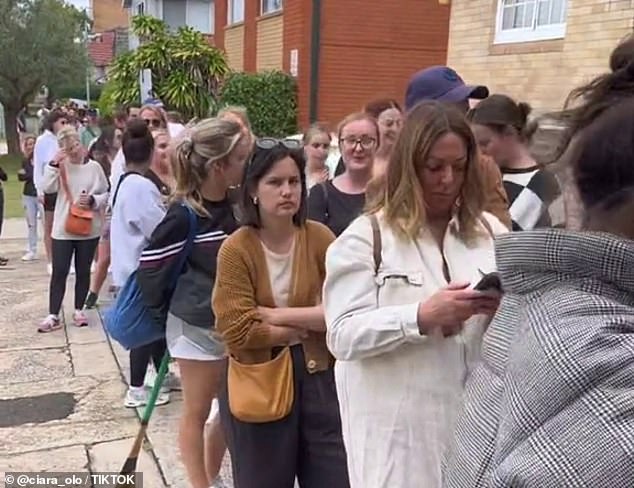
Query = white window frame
x=188 y=22
x=230 y=12
x=265 y=11
x=527 y=34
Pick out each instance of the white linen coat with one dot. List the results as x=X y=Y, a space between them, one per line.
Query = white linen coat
x=399 y=391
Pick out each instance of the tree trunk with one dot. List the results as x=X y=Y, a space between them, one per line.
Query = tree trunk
x=11 y=128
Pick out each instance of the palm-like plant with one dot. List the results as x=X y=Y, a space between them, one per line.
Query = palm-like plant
x=186 y=70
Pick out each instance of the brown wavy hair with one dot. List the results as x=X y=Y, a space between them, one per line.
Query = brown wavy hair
x=400 y=195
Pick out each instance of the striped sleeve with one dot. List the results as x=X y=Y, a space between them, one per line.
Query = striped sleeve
x=156 y=264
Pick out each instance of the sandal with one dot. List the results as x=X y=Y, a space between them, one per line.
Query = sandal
x=49 y=324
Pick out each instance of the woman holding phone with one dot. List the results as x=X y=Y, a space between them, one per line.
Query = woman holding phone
x=81 y=184
x=402 y=318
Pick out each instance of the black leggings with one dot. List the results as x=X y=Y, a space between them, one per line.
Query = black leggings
x=62 y=252
x=140 y=358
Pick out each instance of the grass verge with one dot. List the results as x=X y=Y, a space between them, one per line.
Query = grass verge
x=12 y=188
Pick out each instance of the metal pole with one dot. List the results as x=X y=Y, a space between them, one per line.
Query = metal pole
x=88 y=88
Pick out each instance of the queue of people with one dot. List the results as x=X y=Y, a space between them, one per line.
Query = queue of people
x=418 y=317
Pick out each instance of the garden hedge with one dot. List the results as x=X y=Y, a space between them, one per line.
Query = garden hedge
x=270 y=98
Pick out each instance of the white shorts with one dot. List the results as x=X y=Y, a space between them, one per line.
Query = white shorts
x=186 y=341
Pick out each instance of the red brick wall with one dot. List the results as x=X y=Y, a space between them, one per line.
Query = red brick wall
x=370 y=50
x=220 y=22
x=108 y=15
x=297 y=29
x=251 y=12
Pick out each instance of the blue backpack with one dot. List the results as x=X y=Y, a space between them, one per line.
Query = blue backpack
x=128 y=321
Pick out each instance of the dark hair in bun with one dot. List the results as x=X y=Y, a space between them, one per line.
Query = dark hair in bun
x=499 y=112
x=137 y=142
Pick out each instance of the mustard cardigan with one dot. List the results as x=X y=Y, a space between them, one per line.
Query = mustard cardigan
x=243 y=284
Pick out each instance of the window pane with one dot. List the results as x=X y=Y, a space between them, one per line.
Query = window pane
x=174 y=13
x=200 y=15
x=529 y=13
x=507 y=18
x=559 y=12
x=271 y=6
x=237 y=11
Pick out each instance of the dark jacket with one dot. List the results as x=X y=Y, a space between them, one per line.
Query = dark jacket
x=27 y=178
x=191 y=301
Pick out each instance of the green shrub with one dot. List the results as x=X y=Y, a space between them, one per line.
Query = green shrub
x=270 y=98
x=107 y=104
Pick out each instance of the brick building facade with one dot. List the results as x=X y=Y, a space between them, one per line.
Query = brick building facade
x=108 y=15
x=343 y=52
x=536 y=50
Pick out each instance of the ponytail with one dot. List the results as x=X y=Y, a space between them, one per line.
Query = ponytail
x=206 y=143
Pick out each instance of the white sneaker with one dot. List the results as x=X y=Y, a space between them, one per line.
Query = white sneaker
x=29 y=256
x=49 y=269
x=138 y=397
x=170 y=383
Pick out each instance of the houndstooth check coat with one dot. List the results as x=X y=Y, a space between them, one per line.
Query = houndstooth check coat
x=551 y=405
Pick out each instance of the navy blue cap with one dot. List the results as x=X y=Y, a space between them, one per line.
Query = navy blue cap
x=443 y=84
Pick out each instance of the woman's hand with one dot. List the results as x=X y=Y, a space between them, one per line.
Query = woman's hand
x=270 y=316
x=450 y=307
x=60 y=157
x=285 y=335
x=85 y=200
x=323 y=176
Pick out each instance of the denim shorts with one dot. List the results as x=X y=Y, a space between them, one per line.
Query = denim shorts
x=186 y=341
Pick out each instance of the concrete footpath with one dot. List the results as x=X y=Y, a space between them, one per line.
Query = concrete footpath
x=61 y=393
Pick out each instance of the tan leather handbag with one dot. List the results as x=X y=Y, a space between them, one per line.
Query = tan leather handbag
x=262 y=392
x=79 y=220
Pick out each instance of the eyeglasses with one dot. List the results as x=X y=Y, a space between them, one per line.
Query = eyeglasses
x=156 y=123
x=366 y=142
x=271 y=142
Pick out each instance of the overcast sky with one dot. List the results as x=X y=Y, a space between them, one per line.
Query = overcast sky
x=79 y=3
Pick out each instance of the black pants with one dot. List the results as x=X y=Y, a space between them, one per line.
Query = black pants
x=62 y=253
x=140 y=358
x=307 y=444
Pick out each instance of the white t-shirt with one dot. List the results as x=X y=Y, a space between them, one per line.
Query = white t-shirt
x=137 y=211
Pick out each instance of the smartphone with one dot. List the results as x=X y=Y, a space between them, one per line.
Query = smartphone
x=490 y=282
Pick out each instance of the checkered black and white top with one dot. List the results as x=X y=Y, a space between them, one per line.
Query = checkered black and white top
x=551 y=404
x=531 y=193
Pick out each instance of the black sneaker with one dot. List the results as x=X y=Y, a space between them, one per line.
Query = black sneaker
x=91 y=300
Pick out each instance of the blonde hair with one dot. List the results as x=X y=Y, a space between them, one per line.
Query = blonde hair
x=66 y=134
x=399 y=193
x=237 y=111
x=313 y=130
x=206 y=143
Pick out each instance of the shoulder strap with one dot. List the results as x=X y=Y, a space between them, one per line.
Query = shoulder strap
x=324 y=188
x=189 y=244
x=487 y=226
x=377 y=243
x=121 y=178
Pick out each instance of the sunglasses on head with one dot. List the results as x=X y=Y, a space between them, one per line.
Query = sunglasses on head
x=271 y=142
